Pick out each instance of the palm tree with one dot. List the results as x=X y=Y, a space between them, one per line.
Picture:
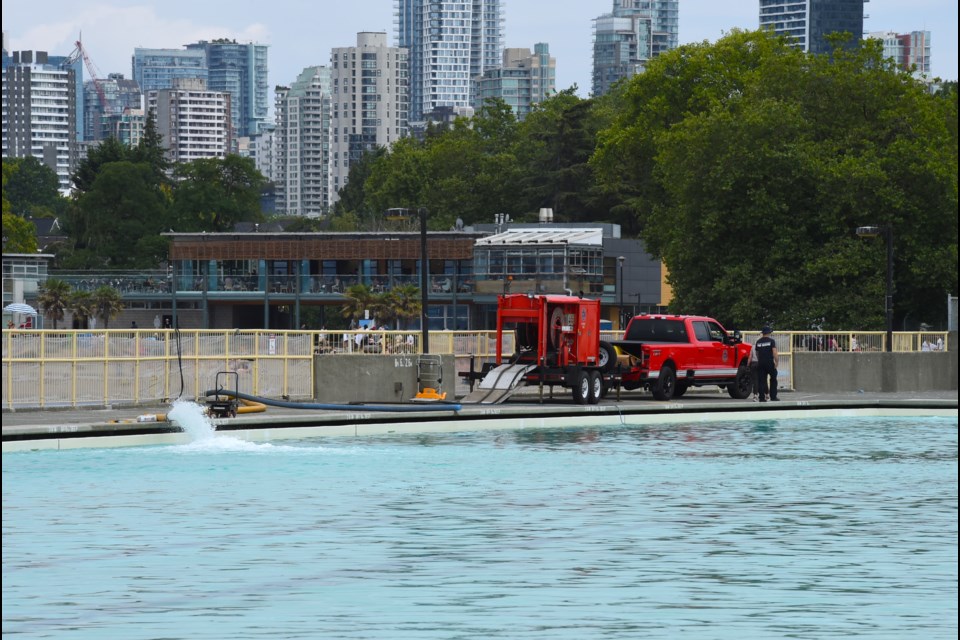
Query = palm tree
x=54 y=299
x=81 y=307
x=406 y=302
x=107 y=304
x=360 y=298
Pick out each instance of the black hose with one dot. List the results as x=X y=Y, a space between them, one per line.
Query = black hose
x=176 y=335
x=338 y=407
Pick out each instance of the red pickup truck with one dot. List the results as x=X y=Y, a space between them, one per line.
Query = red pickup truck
x=669 y=354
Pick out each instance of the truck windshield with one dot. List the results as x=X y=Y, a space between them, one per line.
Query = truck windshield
x=657 y=330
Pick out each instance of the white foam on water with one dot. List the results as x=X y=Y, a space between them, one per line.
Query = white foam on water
x=193 y=419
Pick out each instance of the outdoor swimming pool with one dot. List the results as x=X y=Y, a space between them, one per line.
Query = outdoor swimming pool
x=753 y=529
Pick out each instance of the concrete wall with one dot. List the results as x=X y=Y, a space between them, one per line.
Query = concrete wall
x=373 y=378
x=879 y=372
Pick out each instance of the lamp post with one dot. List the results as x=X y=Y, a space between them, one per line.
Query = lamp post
x=887 y=232
x=424 y=281
x=620 y=261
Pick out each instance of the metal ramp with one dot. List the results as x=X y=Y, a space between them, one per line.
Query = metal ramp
x=499 y=384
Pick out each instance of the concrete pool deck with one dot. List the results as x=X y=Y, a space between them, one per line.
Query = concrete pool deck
x=118 y=426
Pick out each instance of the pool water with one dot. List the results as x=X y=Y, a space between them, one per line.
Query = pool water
x=753 y=529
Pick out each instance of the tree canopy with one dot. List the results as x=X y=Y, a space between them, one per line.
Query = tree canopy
x=749 y=166
x=125 y=197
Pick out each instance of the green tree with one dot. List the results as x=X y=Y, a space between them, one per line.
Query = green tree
x=150 y=150
x=352 y=197
x=19 y=236
x=360 y=298
x=120 y=219
x=749 y=165
x=107 y=304
x=405 y=302
x=557 y=140
x=30 y=185
x=81 y=308
x=109 y=150
x=213 y=194
x=54 y=299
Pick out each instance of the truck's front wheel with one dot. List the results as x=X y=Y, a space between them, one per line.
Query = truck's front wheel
x=742 y=387
x=666 y=383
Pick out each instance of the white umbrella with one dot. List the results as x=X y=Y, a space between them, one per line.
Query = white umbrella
x=21 y=308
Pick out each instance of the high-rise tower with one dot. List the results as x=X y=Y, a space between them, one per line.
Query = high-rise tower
x=626 y=39
x=809 y=22
x=370 y=102
x=449 y=43
x=301 y=144
x=241 y=71
x=523 y=81
x=40 y=111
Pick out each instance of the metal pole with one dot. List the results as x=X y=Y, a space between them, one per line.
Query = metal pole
x=889 y=298
x=621 y=260
x=424 y=269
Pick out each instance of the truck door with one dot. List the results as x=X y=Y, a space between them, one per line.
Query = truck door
x=726 y=353
x=709 y=338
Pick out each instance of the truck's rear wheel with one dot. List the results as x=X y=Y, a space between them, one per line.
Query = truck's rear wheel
x=742 y=387
x=581 y=388
x=666 y=383
x=596 y=387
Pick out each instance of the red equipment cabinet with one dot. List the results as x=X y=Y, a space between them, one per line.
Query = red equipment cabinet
x=557 y=343
x=559 y=331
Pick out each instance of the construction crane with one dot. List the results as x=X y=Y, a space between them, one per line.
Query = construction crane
x=80 y=52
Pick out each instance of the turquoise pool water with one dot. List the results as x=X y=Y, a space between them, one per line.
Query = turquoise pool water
x=772 y=529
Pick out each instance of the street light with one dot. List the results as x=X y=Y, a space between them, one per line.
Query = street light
x=620 y=261
x=424 y=269
x=887 y=232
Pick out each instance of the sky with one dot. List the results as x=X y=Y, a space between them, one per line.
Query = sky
x=301 y=33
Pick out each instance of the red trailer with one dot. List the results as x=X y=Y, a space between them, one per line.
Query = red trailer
x=557 y=343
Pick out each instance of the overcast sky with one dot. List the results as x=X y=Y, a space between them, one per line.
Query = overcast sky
x=301 y=33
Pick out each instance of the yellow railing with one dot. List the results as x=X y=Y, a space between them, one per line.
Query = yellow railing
x=47 y=369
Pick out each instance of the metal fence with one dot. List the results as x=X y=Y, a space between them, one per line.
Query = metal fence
x=48 y=369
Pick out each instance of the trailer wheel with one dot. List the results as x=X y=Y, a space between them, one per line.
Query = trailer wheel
x=607 y=357
x=665 y=385
x=596 y=387
x=581 y=388
x=606 y=386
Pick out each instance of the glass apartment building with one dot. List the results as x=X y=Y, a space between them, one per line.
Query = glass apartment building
x=809 y=22
x=156 y=69
x=522 y=81
x=627 y=38
x=241 y=71
x=449 y=43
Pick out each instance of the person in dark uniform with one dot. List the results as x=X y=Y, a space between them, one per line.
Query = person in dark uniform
x=767 y=359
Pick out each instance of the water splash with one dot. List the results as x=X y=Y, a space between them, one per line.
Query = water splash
x=204 y=438
x=192 y=418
